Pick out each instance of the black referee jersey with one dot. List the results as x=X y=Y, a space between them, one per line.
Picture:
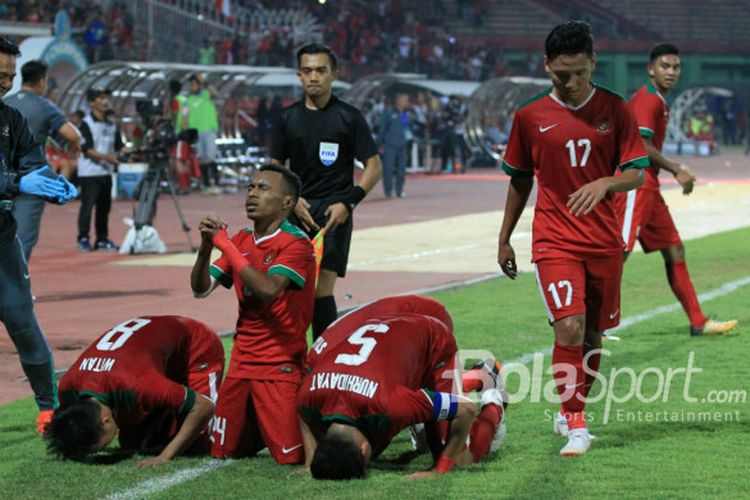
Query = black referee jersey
x=322 y=144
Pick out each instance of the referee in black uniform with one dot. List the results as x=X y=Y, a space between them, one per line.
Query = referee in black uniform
x=321 y=136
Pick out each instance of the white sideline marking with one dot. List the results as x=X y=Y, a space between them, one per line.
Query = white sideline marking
x=723 y=290
x=155 y=485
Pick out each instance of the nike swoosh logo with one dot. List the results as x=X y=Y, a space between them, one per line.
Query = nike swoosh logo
x=286 y=450
x=612 y=316
x=26 y=276
x=544 y=129
x=572 y=386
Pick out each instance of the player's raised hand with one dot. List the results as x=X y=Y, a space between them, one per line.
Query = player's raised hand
x=302 y=211
x=506 y=258
x=336 y=215
x=210 y=225
x=686 y=178
x=583 y=201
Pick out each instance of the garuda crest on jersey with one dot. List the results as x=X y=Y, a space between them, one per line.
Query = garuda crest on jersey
x=603 y=127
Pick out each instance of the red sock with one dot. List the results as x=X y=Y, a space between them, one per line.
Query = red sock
x=183 y=180
x=483 y=430
x=567 y=365
x=593 y=366
x=472 y=381
x=682 y=286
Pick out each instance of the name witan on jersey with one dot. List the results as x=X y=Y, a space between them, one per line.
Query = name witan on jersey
x=344 y=382
x=96 y=364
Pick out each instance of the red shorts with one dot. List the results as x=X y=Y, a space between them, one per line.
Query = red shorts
x=582 y=285
x=205 y=373
x=253 y=414
x=181 y=151
x=644 y=216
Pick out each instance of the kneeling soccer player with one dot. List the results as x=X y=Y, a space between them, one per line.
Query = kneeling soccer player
x=152 y=380
x=382 y=368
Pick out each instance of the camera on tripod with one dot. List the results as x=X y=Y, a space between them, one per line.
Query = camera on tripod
x=160 y=134
x=158 y=140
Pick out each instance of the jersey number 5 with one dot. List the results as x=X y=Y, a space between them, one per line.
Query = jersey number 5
x=582 y=143
x=117 y=336
x=367 y=343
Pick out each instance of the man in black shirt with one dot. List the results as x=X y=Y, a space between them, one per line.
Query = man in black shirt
x=321 y=136
x=20 y=174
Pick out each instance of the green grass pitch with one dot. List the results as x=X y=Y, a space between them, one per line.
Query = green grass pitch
x=634 y=455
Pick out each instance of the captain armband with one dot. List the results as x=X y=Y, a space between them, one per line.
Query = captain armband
x=444 y=405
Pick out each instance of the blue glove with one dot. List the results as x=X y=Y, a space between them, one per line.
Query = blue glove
x=71 y=192
x=44 y=183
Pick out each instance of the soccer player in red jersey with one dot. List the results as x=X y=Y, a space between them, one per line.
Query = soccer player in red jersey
x=153 y=380
x=573 y=137
x=272 y=268
x=380 y=369
x=644 y=215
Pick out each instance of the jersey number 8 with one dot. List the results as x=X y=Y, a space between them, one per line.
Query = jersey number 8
x=117 y=336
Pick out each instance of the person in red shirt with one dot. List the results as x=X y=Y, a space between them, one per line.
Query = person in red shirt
x=381 y=368
x=573 y=137
x=644 y=216
x=272 y=268
x=152 y=379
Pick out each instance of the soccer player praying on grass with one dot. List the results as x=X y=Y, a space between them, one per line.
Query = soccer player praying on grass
x=151 y=380
x=573 y=137
x=272 y=269
x=387 y=366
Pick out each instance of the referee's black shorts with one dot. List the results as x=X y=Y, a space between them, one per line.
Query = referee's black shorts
x=336 y=243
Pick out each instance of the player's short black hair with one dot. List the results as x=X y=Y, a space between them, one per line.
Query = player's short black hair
x=663 y=49
x=571 y=38
x=292 y=181
x=175 y=87
x=337 y=458
x=33 y=72
x=318 y=48
x=74 y=430
x=8 y=47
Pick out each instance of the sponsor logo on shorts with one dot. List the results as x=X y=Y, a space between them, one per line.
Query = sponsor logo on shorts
x=286 y=450
x=614 y=314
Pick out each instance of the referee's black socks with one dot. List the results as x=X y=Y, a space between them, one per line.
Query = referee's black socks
x=324 y=314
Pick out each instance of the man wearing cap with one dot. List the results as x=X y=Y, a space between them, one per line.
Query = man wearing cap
x=100 y=144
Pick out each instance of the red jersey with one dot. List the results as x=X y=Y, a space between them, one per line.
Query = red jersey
x=393 y=306
x=138 y=368
x=269 y=334
x=568 y=147
x=377 y=375
x=652 y=114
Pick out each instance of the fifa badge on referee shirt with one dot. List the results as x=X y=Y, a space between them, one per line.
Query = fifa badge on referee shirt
x=328 y=153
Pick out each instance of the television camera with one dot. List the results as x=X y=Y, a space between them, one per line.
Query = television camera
x=158 y=139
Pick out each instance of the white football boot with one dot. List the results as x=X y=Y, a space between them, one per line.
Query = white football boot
x=579 y=442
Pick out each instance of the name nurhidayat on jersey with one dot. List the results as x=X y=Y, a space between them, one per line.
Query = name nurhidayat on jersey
x=344 y=382
x=96 y=364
